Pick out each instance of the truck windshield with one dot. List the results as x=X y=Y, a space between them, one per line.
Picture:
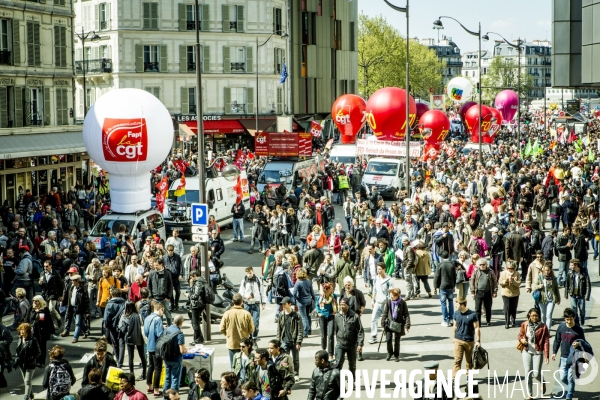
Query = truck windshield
x=190 y=196
x=113 y=224
x=343 y=159
x=269 y=176
x=382 y=168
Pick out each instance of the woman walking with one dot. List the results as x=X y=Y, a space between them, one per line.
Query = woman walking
x=131 y=330
x=549 y=293
x=395 y=321
x=41 y=323
x=534 y=339
x=510 y=281
x=27 y=354
x=345 y=268
x=304 y=294
x=327 y=307
x=242 y=361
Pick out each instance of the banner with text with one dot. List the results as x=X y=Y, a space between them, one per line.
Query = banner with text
x=286 y=144
x=387 y=148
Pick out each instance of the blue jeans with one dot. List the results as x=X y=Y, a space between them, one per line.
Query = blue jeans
x=292 y=240
x=238 y=228
x=554 y=223
x=349 y=222
x=578 y=305
x=306 y=322
x=446 y=297
x=79 y=325
x=595 y=246
x=546 y=313
x=567 y=377
x=562 y=273
x=231 y=354
x=254 y=310
x=172 y=374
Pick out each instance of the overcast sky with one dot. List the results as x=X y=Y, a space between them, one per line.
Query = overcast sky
x=510 y=18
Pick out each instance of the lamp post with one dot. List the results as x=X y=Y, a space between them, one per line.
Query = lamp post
x=519 y=49
x=285 y=35
x=407 y=122
x=438 y=24
x=83 y=36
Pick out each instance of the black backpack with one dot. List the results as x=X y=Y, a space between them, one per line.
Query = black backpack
x=207 y=294
x=144 y=310
x=113 y=323
x=165 y=345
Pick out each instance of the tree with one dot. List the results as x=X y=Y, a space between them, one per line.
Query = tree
x=503 y=73
x=382 y=60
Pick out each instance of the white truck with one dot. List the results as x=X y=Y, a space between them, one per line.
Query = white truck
x=220 y=197
x=344 y=153
x=387 y=174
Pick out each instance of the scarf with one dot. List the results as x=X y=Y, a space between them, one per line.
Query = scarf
x=532 y=328
x=323 y=300
x=395 y=307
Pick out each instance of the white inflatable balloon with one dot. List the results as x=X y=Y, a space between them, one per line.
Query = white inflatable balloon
x=459 y=89
x=128 y=132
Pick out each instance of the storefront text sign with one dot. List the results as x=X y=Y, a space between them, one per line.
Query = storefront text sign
x=194 y=117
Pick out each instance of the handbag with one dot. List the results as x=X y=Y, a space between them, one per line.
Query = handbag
x=520 y=346
x=395 y=327
x=537 y=295
x=461 y=276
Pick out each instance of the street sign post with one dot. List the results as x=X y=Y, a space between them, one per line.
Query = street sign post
x=200 y=230
x=200 y=214
x=199 y=238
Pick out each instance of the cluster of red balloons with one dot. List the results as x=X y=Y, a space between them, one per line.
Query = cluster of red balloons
x=491 y=120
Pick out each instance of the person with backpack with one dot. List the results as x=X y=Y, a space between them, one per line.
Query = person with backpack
x=27 y=354
x=110 y=322
x=200 y=294
x=23 y=273
x=41 y=323
x=144 y=306
x=130 y=335
x=153 y=330
x=95 y=389
x=58 y=375
x=236 y=324
x=170 y=347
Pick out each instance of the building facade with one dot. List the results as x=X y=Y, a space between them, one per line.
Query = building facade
x=448 y=52
x=40 y=147
x=149 y=45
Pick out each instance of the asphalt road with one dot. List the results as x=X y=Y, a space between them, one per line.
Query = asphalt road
x=426 y=341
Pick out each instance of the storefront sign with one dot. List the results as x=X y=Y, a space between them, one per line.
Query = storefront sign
x=387 y=148
x=194 y=117
x=287 y=144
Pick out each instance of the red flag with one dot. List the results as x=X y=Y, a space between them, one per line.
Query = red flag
x=251 y=155
x=239 y=195
x=572 y=137
x=220 y=163
x=180 y=165
x=162 y=187
x=316 y=129
x=240 y=159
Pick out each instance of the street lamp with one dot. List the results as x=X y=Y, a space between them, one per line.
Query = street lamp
x=438 y=25
x=407 y=134
x=83 y=36
x=518 y=47
x=283 y=36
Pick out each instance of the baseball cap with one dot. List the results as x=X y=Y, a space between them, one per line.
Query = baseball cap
x=72 y=270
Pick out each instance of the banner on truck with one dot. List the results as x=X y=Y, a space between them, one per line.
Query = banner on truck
x=286 y=144
x=387 y=148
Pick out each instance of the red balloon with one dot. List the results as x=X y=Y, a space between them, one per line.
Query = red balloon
x=472 y=120
x=464 y=108
x=386 y=113
x=438 y=122
x=348 y=112
x=422 y=108
x=495 y=127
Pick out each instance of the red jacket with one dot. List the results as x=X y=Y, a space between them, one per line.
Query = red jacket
x=134 y=291
x=542 y=337
x=133 y=394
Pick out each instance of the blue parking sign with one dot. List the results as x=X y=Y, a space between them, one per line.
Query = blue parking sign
x=199 y=214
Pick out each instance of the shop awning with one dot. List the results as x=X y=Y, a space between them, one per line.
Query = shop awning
x=228 y=126
x=263 y=124
x=41 y=144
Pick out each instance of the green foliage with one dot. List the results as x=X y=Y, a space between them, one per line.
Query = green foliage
x=503 y=73
x=382 y=60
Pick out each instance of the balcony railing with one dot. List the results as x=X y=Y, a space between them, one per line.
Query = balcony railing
x=103 y=25
x=238 y=66
x=5 y=57
x=192 y=109
x=237 y=108
x=191 y=67
x=233 y=25
x=100 y=66
x=191 y=25
x=454 y=64
x=151 y=67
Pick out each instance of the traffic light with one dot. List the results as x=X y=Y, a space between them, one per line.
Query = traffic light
x=478 y=87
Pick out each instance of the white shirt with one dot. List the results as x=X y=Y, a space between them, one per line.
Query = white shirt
x=177 y=245
x=74 y=297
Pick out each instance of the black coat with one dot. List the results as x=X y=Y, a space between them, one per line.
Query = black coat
x=94 y=392
x=217 y=247
x=82 y=300
x=348 y=329
x=197 y=293
x=108 y=362
x=403 y=317
x=52 y=288
x=325 y=383
x=134 y=336
x=360 y=235
x=173 y=264
x=382 y=234
x=210 y=390
x=27 y=353
x=160 y=284
x=46 y=381
x=42 y=330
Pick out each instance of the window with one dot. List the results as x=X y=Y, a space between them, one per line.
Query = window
x=155 y=90
x=279 y=57
x=277 y=23
x=60 y=46
x=192 y=100
x=62 y=106
x=238 y=59
x=238 y=101
x=191 y=58
x=304 y=60
x=59 y=2
x=219 y=195
x=189 y=17
x=150 y=16
x=35 y=107
x=4 y=42
x=337 y=35
x=151 y=59
x=33 y=44
x=188 y=100
x=104 y=53
x=233 y=18
x=352 y=36
x=89 y=97
x=103 y=16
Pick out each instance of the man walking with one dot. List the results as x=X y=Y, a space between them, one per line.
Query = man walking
x=153 y=329
x=567 y=334
x=176 y=242
x=236 y=325
x=325 y=380
x=93 y=273
x=253 y=296
x=349 y=335
x=79 y=306
x=466 y=330
x=198 y=296
x=579 y=288
x=174 y=364
x=290 y=333
x=273 y=382
x=172 y=262
x=564 y=246
x=445 y=280
x=381 y=286
x=160 y=285
x=484 y=288
x=52 y=289
x=408 y=264
x=238 y=210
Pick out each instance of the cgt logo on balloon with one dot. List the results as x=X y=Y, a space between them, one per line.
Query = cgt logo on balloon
x=125 y=140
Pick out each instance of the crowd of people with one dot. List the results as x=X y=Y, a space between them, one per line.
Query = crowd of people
x=465 y=230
